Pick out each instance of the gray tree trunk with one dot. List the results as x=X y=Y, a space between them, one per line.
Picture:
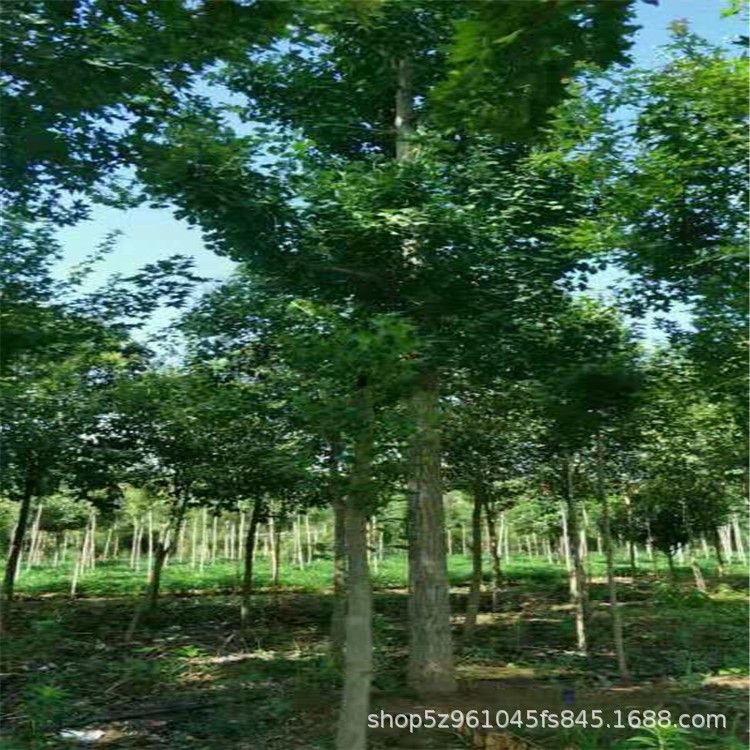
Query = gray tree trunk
x=491 y=520
x=475 y=589
x=338 y=615
x=577 y=573
x=31 y=558
x=717 y=550
x=430 y=639
x=614 y=605
x=274 y=531
x=355 y=703
x=247 y=579
x=738 y=543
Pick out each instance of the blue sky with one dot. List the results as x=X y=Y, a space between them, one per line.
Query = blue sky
x=150 y=234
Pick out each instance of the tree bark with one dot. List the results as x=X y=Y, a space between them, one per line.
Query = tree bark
x=577 y=573
x=565 y=539
x=14 y=554
x=150 y=540
x=614 y=605
x=631 y=543
x=133 y=540
x=475 y=590
x=717 y=550
x=308 y=540
x=274 y=535
x=490 y=517
x=204 y=540
x=247 y=579
x=92 y=542
x=338 y=615
x=355 y=704
x=80 y=564
x=298 y=551
x=214 y=538
x=700 y=582
x=31 y=558
x=148 y=604
x=738 y=543
x=430 y=639
x=108 y=542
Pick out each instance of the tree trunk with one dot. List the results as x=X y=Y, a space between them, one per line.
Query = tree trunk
x=614 y=605
x=726 y=541
x=161 y=551
x=64 y=550
x=564 y=539
x=308 y=540
x=14 y=554
x=241 y=534
x=475 y=590
x=577 y=574
x=631 y=544
x=92 y=542
x=274 y=534
x=338 y=622
x=430 y=639
x=490 y=517
x=133 y=539
x=505 y=526
x=298 y=551
x=108 y=543
x=214 y=538
x=204 y=540
x=247 y=580
x=58 y=547
x=738 y=543
x=700 y=582
x=355 y=703
x=34 y=542
x=584 y=543
x=338 y=613
x=150 y=542
x=717 y=550
x=80 y=564
x=194 y=541
x=548 y=551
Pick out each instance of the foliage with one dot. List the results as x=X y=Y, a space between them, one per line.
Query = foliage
x=80 y=78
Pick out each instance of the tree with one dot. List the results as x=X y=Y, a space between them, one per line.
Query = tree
x=689 y=463
x=591 y=380
x=200 y=437
x=365 y=203
x=84 y=77
x=492 y=439
x=670 y=181
x=337 y=375
x=50 y=434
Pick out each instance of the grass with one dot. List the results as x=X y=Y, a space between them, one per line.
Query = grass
x=116 y=578
x=205 y=683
